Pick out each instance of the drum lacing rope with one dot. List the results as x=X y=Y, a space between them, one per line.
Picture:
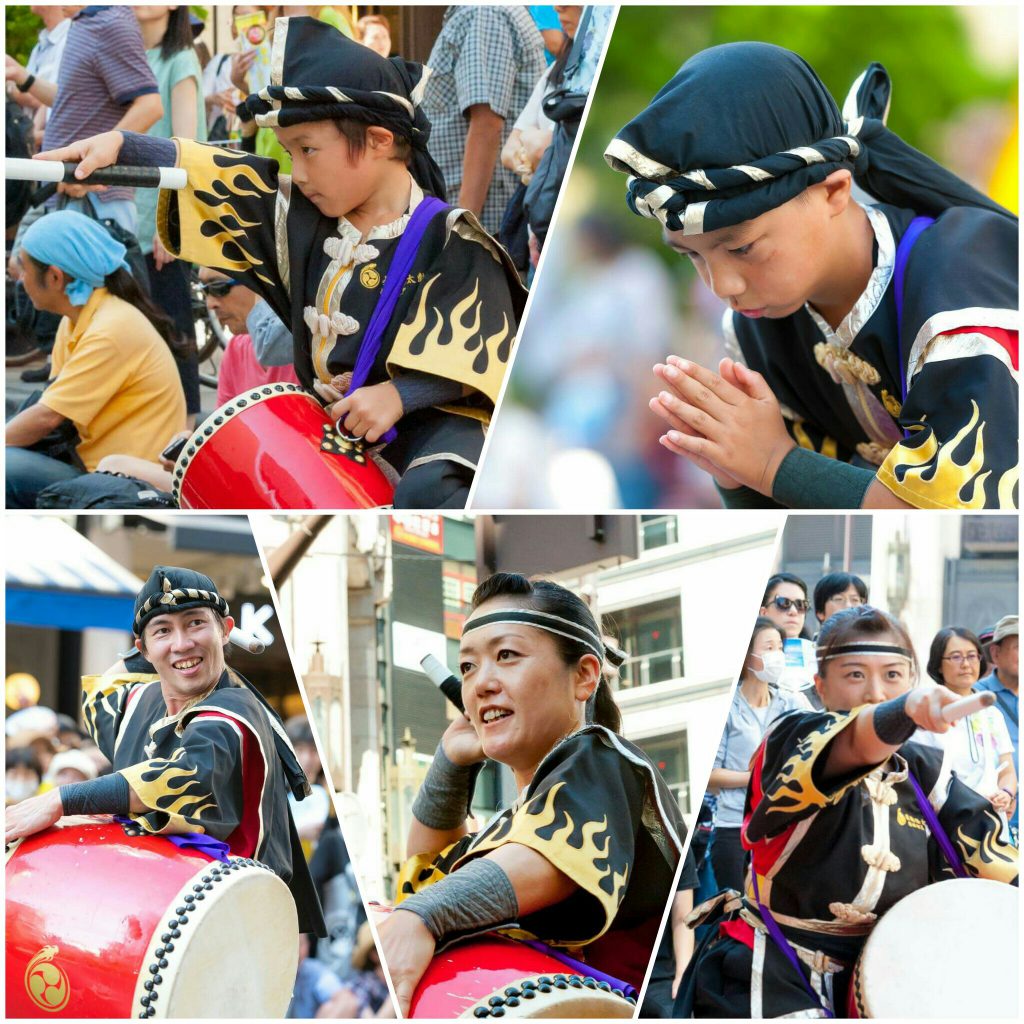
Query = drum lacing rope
x=188 y=904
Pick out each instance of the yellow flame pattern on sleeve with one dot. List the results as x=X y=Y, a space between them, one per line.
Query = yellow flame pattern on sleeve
x=927 y=476
x=794 y=789
x=103 y=699
x=461 y=346
x=582 y=852
x=171 y=789
x=988 y=855
x=207 y=201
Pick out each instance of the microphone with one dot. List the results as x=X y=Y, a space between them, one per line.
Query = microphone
x=444 y=679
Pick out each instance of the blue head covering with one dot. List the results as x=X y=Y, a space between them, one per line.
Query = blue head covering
x=78 y=245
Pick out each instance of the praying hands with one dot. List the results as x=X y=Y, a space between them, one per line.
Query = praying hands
x=728 y=423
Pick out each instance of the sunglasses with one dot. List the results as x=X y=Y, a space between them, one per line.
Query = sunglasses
x=785 y=603
x=218 y=289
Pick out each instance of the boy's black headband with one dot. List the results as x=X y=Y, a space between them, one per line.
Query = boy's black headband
x=743 y=128
x=318 y=74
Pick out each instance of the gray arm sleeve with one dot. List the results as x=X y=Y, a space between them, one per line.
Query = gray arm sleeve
x=109 y=794
x=420 y=390
x=444 y=798
x=146 y=151
x=745 y=497
x=271 y=339
x=477 y=898
x=810 y=480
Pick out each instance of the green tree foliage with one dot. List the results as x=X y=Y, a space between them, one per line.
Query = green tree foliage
x=925 y=49
x=22 y=28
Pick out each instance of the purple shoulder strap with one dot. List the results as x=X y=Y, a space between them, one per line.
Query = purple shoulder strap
x=401 y=264
x=935 y=826
x=910 y=236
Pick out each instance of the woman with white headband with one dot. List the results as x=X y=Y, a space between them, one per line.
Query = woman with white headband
x=835 y=822
x=584 y=859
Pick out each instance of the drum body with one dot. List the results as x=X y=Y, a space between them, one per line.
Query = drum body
x=495 y=977
x=947 y=950
x=103 y=921
x=274 y=447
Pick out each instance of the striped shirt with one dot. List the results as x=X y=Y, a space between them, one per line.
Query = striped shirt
x=103 y=69
x=44 y=60
x=484 y=55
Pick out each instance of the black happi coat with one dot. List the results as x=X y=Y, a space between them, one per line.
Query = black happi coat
x=212 y=768
x=456 y=316
x=600 y=812
x=834 y=857
x=841 y=390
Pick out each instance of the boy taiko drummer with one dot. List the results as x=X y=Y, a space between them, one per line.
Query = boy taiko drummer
x=190 y=741
x=873 y=348
x=418 y=370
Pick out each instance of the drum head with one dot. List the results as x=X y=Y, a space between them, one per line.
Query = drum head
x=492 y=976
x=238 y=954
x=565 y=996
x=947 y=950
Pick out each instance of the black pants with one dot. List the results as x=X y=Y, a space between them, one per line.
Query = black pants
x=439 y=484
x=433 y=454
x=728 y=859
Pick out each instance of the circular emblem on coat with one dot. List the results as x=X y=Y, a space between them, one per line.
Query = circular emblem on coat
x=45 y=981
x=368 y=276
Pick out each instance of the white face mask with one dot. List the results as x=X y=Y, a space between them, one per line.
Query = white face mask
x=774 y=663
x=20 y=789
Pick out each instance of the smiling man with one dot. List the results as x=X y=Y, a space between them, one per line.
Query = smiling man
x=195 y=748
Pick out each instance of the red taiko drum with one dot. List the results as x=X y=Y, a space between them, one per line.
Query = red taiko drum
x=274 y=447
x=495 y=977
x=103 y=921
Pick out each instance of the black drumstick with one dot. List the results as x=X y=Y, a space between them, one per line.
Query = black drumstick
x=19 y=169
x=444 y=679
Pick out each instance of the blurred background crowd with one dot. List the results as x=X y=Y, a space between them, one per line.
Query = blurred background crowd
x=612 y=300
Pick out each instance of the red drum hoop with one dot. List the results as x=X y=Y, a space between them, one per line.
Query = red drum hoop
x=947 y=950
x=103 y=921
x=493 y=977
x=274 y=447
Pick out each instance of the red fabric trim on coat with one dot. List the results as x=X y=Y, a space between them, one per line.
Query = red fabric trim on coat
x=242 y=842
x=1008 y=340
x=765 y=852
x=738 y=930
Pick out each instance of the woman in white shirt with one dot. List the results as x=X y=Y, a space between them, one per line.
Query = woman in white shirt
x=978 y=747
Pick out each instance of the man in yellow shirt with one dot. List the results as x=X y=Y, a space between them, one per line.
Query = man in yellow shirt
x=115 y=376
